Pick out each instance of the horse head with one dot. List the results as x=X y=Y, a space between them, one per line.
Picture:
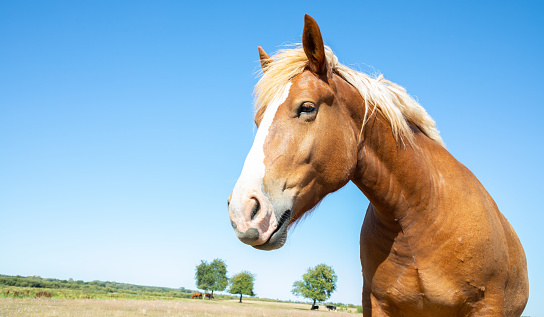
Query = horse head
x=305 y=146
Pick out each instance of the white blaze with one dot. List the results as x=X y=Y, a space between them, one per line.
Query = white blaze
x=250 y=182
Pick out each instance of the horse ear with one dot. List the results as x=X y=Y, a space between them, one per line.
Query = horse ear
x=265 y=59
x=312 y=42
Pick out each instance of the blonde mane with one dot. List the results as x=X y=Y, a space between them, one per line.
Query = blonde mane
x=397 y=106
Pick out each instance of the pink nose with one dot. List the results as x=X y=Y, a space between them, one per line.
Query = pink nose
x=252 y=218
x=247 y=231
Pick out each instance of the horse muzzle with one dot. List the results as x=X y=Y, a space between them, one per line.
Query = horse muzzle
x=256 y=223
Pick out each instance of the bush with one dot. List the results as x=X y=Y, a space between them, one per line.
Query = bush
x=80 y=289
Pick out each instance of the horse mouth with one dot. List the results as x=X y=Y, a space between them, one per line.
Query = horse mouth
x=279 y=236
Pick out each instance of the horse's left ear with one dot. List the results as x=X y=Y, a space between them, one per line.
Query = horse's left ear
x=312 y=42
x=265 y=59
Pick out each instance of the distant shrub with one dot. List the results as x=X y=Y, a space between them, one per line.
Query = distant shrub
x=80 y=289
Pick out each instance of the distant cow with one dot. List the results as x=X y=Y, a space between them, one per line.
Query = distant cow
x=331 y=307
x=210 y=296
x=43 y=294
x=314 y=307
x=196 y=295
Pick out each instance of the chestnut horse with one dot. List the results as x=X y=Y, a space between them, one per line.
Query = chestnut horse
x=433 y=242
x=196 y=295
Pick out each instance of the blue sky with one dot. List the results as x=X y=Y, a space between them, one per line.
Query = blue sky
x=124 y=126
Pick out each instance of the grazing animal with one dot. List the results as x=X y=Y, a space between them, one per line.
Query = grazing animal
x=433 y=242
x=331 y=307
x=43 y=294
x=196 y=295
x=314 y=307
x=208 y=295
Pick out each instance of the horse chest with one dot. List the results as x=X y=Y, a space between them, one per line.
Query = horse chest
x=406 y=284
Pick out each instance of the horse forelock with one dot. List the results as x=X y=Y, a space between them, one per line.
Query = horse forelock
x=397 y=106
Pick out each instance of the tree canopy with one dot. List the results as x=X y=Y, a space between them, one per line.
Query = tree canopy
x=211 y=276
x=317 y=283
x=242 y=283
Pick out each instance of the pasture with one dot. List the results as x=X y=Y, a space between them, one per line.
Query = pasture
x=183 y=307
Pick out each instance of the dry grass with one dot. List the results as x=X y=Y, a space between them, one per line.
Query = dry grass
x=121 y=308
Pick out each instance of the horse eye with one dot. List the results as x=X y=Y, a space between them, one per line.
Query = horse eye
x=306 y=107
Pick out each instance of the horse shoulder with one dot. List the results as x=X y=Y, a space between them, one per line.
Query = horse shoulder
x=450 y=263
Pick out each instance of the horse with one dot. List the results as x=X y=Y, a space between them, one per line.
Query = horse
x=196 y=295
x=209 y=296
x=433 y=242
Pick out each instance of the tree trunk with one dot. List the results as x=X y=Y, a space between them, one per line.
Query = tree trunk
x=313 y=303
x=240 y=298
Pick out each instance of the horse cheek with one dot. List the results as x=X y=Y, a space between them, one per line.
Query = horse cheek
x=340 y=157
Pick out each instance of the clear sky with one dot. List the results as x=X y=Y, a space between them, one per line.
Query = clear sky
x=124 y=126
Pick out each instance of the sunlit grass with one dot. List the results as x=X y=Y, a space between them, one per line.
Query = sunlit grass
x=183 y=307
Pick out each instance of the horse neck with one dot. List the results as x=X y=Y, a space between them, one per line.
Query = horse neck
x=401 y=182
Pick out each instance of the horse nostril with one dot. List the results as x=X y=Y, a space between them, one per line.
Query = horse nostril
x=256 y=208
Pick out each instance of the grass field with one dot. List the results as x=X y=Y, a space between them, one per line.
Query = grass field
x=182 y=307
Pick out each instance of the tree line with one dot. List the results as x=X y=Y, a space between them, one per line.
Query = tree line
x=99 y=286
x=317 y=284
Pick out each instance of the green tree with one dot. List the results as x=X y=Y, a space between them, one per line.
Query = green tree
x=211 y=276
x=317 y=284
x=242 y=283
